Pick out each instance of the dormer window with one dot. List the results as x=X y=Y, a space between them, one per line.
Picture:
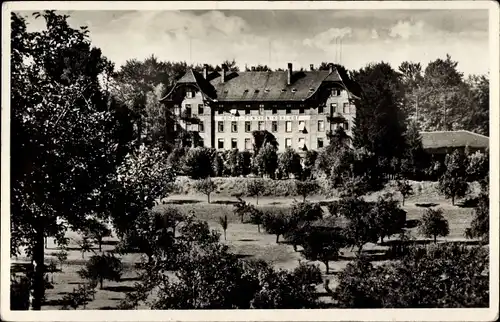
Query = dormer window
x=266 y=90
x=225 y=91
x=294 y=90
x=256 y=91
x=311 y=89
x=246 y=91
x=283 y=90
x=189 y=94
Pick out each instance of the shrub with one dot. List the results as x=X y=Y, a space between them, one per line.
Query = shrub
x=289 y=163
x=175 y=158
x=266 y=161
x=102 y=267
x=434 y=224
x=478 y=166
x=480 y=225
x=306 y=188
x=197 y=163
x=309 y=164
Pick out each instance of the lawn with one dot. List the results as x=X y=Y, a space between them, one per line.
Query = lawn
x=242 y=238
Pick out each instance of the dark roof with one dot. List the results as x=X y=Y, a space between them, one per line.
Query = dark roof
x=453 y=139
x=260 y=86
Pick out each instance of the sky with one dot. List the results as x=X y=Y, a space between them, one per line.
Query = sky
x=302 y=37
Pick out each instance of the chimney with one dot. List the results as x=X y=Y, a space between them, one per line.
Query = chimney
x=330 y=67
x=289 y=74
x=205 y=71
x=223 y=75
x=311 y=67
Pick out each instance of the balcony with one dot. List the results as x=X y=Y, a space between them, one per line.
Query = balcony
x=336 y=117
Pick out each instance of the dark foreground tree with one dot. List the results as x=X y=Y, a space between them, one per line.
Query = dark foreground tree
x=436 y=277
x=69 y=133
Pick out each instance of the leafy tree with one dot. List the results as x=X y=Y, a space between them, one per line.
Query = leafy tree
x=256 y=217
x=323 y=245
x=224 y=224
x=415 y=159
x=306 y=188
x=380 y=122
x=361 y=227
x=168 y=218
x=206 y=186
x=217 y=164
x=276 y=223
x=306 y=211
x=389 y=218
x=404 y=188
x=80 y=296
x=97 y=231
x=19 y=292
x=445 y=277
x=434 y=224
x=176 y=158
x=477 y=117
x=266 y=161
x=198 y=163
x=289 y=163
x=255 y=187
x=70 y=134
x=85 y=245
x=453 y=182
x=480 y=225
x=261 y=139
x=102 y=267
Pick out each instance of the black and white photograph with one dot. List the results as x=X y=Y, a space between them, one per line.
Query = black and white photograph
x=216 y=159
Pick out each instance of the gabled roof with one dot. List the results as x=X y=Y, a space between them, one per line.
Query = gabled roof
x=453 y=139
x=260 y=86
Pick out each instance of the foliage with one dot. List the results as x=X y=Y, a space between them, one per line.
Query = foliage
x=306 y=188
x=263 y=138
x=480 y=225
x=80 y=296
x=404 y=188
x=255 y=187
x=197 y=163
x=266 y=161
x=19 y=292
x=70 y=133
x=277 y=223
x=415 y=159
x=453 y=182
x=309 y=164
x=477 y=166
x=306 y=211
x=85 y=245
x=389 y=218
x=289 y=163
x=102 y=267
x=323 y=245
x=176 y=158
x=437 y=277
x=434 y=224
x=206 y=186
x=62 y=256
x=97 y=230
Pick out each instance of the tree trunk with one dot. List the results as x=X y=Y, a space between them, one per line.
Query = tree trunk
x=224 y=234
x=327 y=267
x=277 y=238
x=208 y=197
x=100 y=282
x=46 y=241
x=453 y=200
x=257 y=202
x=100 y=245
x=258 y=228
x=295 y=247
x=435 y=239
x=304 y=198
x=403 y=200
x=38 y=257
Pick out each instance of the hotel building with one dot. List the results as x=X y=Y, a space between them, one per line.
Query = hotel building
x=298 y=107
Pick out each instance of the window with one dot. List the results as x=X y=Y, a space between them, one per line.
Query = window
x=247 y=110
x=219 y=111
x=302 y=143
x=200 y=109
x=261 y=126
x=220 y=144
x=248 y=126
x=346 y=126
x=321 y=126
x=234 y=127
x=275 y=110
x=301 y=110
x=346 y=108
x=288 y=143
x=274 y=126
x=288 y=109
x=177 y=110
x=320 y=143
x=188 y=109
x=336 y=92
x=321 y=109
x=234 y=143
x=261 y=109
x=220 y=126
x=333 y=107
x=248 y=144
x=189 y=94
x=201 y=127
x=201 y=142
x=302 y=126
x=288 y=126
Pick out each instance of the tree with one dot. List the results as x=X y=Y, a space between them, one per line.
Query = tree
x=323 y=245
x=102 y=267
x=70 y=134
x=289 y=163
x=434 y=224
x=306 y=188
x=97 y=231
x=255 y=187
x=453 y=182
x=444 y=277
x=404 y=188
x=276 y=223
x=261 y=139
x=224 y=223
x=389 y=218
x=62 y=256
x=380 y=122
x=198 y=163
x=85 y=245
x=480 y=225
x=477 y=166
x=266 y=161
x=256 y=217
x=306 y=211
x=80 y=296
x=309 y=163
x=206 y=186
x=415 y=159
